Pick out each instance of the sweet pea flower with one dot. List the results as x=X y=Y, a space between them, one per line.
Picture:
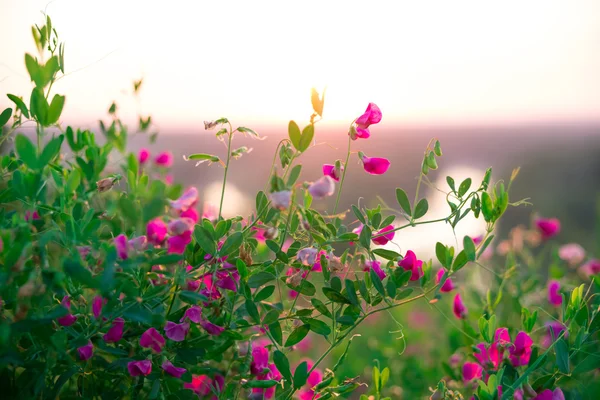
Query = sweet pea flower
x=86 y=352
x=548 y=227
x=97 y=305
x=156 y=231
x=281 y=200
x=177 y=244
x=190 y=213
x=139 y=368
x=459 y=308
x=68 y=319
x=172 y=370
x=260 y=360
x=164 y=159
x=554 y=296
x=374 y=165
x=138 y=243
x=313 y=380
x=228 y=280
x=143 y=155
x=153 y=340
x=31 y=216
x=448 y=285
x=590 y=268
x=203 y=385
x=410 y=263
x=471 y=370
x=387 y=234
x=572 y=253
x=331 y=171
x=194 y=314
x=548 y=394
x=553 y=331
x=375 y=266
x=307 y=256
x=122 y=246
x=520 y=352
x=210 y=212
x=177 y=332
x=322 y=187
x=115 y=333
x=371 y=116
x=210 y=328
x=188 y=199
x=180 y=225
x=267 y=393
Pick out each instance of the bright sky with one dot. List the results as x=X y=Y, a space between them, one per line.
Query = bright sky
x=255 y=61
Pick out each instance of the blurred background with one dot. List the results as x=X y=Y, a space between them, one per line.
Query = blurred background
x=505 y=84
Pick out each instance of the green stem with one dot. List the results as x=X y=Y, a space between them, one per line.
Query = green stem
x=226 y=170
x=337 y=200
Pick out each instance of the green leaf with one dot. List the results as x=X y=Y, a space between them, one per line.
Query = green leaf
x=387 y=254
x=252 y=310
x=351 y=292
x=402 y=198
x=294 y=134
x=55 y=110
x=562 y=356
x=259 y=279
x=485 y=245
x=301 y=375
x=335 y=296
x=377 y=282
x=358 y=214
x=203 y=156
x=20 y=104
x=319 y=327
x=242 y=268
x=139 y=313
x=321 y=307
x=282 y=364
x=469 y=248
x=421 y=208
x=306 y=288
x=192 y=297
x=205 y=240
x=35 y=71
x=464 y=187
x=437 y=148
x=297 y=335
x=460 y=261
x=79 y=273
x=307 y=136
x=264 y=293
x=232 y=243
x=51 y=150
x=5 y=116
x=294 y=175
x=39 y=106
x=73 y=181
x=365 y=237
x=271 y=317
x=275 y=329
x=450 y=182
x=441 y=252
x=26 y=151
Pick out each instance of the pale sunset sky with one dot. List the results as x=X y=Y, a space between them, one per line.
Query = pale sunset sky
x=456 y=61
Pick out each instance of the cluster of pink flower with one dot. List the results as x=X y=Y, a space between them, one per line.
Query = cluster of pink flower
x=163 y=160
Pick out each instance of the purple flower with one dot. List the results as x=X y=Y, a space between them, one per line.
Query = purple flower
x=411 y=263
x=307 y=256
x=554 y=296
x=590 y=268
x=177 y=244
x=115 y=333
x=138 y=368
x=375 y=266
x=211 y=328
x=572 y=253
x=86 y=352
x=177 y=332
x=173 y=370
x=122 y=246
x=471 y=370
x=322 y=187
x=138 y=243
x=180 y=225
x=281 y=200
x=194 y=314
x=97 y=305
x=67 y=320
x=260 y=360
x=153 y=340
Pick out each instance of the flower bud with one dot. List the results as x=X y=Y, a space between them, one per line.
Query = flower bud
x=281 y=200
x=105 y=184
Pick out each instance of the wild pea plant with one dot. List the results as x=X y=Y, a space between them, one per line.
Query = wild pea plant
x=113 y=284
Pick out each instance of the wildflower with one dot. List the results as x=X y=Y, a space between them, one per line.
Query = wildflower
x=520 y=352
x=97 y=305
x=194 y=314
x=190 y=213
x=138 y=243
x=177 y=244
x=177 y=332
x=267 y=393
x=572 y=253
x=375 y=266
x=307 y=256
x=156 y=231
x=172 y=370
x=374 y=165
x=104 y=185
x=143 y=155
x=31 y=216
x=202 y=385
x=122 y=246
x=548 y=227
x=210 y=328
x=322 y=187
x=315 y=377
x=115 y=333
x=471 y=370
x=371 y=116
x=553 y=331
x=459 y=308
x=410 y=263
x=180 y=225
x=164 y=159
x=448 y=285
x=188 y=199
x=210 y=212
x=228 y=280
x=68 y=319
x=86 y=352
x=384 y=235
x=333 y=172
x=153 y=340
x=260 y=360
x=548 y=394
x=590 y=268
x=554 y=296
x=138 y=368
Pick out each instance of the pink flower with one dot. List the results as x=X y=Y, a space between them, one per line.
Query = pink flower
x=138 y=368
x=164 y=159
x=520 y=352
x=267 y=393
x=190 y=213
x=156 y=231
x=371 y=116
x=210 y=328
x=590 y=268
x=169 y=179
x=260 y=360
x=322 y=187
x=471 y=370
x=97 y=305
x=177 y=332
x=554 y=296
x=86 y=352
x=281 y=200
x=68 y=319
x=138 y=243
x=448 y=285
x=177 y=244
x=387 y=234
x=572 y=253
x=115 y=333
x=375 y=165
x=202 y=385
x=410 y=263
x=313 y=380
x=29 y=216
x=550 y=395
x=375 y=266
x=459 y=308
x=194 y=314
x=332 y=171
x=180 y=225
x=548 y=227
x=307 y=256
x=188 y=199
x=228 y=280
x=122 y=246
x=210 y=212
x=153 y=340
x=172 y=370
x=143 y=155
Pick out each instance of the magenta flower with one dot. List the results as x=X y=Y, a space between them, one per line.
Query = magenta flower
x=502 y=338
x=115 y=333
x=374 y=165
x=260 y=360
x=210 y=328
x=180 y=225
x=194 y=314
x=190 y=213
x=375 y=266
x=590 y=268
x=202 y=385
x=143 y=155
x=172 y=370
x=550 y=395
x=139 y=368
x=228 y=280
x=86 y=352
x=548 y=227
x=387 y=234
x=268 y=393
x=68 y=319
x=554 y=296
x=177 y=332
x=371 y=116
x=572 y=253
x=29 y=216
x=164 y=159
x=138 y=243
x=410 y=263
x=520 y=352
x=153 y=340
x=332 y=171
x=188 y=199
x=281 y=200
x=459 y=308
x=177 y=244
x=448 y=285
x=122 y=246
x=315 y=377
x=156 y=231
x=471 y=370
x=97 y=305
x=322 y=187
